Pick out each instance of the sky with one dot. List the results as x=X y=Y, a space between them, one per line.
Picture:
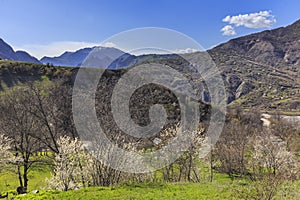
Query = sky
x=50 y=27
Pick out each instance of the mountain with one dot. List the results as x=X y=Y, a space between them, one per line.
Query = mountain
x=7 y=53
x=98 y=57
x=262 y=69
x=276 y=47
x=107 y=57
x=25 y=57
x=72 y=59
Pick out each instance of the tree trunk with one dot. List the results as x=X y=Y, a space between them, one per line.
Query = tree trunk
x=211 y=165
x=190 y=167
x=20 y=176
x=25 y=178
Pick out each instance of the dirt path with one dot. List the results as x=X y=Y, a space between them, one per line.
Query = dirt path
x=265 y=118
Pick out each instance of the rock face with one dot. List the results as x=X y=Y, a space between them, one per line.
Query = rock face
x=7 y=53
x=262 y=69
x=243 y=89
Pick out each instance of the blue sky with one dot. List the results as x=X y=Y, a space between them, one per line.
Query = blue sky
x=49 y=27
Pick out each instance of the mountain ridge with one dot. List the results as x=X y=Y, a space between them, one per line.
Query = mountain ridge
x=280 y=46
x=72 y=59
x=264 y=47
x=8 y=53
x=260 y=70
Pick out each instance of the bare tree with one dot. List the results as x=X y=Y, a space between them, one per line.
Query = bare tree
x=19 y=125
x=51 y=108
x=286 y=131
x=43 y=111
x=231 y=148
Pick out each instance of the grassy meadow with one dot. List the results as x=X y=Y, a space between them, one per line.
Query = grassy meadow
x=222 y=187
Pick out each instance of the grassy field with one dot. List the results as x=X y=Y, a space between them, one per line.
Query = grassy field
x=215 y=190
x=157 y=191
x=222 y=187
x=37 y=175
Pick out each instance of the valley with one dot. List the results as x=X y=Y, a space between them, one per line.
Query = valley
x=256 y=155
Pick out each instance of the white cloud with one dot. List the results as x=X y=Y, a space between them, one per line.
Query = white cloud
x=57 y=48
x=109 y=44
x=228 y=30
x=187 y=50
x=262 y=19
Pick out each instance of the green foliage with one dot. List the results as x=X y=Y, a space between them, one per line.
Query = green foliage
x=15 y=73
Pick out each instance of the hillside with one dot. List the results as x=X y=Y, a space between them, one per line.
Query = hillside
x=259 y=70
x=278 y=47
x=262 y=70
x=237 y=167
x=15 y=73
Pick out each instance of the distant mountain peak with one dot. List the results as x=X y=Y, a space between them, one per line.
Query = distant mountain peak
x=99 y=56
x=7 y=52
x=72 y=59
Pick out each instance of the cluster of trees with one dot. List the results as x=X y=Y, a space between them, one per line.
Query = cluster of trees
x=38 y=118
x=261 y=154
x=33 y=117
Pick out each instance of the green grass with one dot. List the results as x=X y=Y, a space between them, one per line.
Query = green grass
x=37 y=175
x=156 y=191
x=218 y=189
x=225 y=189
x=222 y=187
